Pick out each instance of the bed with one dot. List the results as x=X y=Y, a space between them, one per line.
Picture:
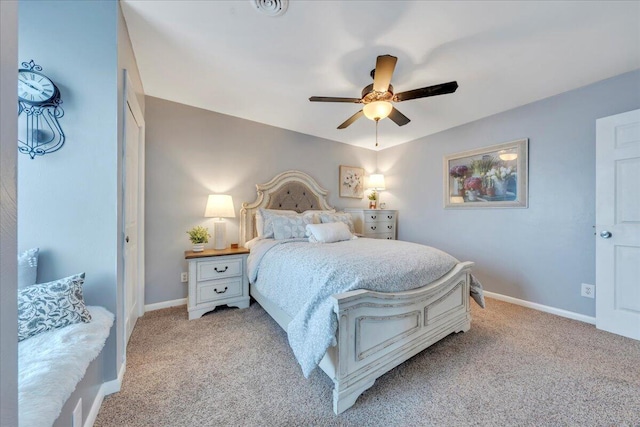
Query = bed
x=374 y=331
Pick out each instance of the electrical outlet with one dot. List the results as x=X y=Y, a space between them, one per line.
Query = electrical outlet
x=76 y=418
x=184 y=277
x=588 y=290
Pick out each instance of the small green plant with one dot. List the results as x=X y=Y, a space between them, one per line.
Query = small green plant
x=373 y=195
x=199 y=234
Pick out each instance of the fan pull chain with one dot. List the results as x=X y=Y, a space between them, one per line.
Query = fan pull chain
x=377 y=120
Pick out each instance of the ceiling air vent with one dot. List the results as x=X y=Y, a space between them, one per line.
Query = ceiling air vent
x=271 y=7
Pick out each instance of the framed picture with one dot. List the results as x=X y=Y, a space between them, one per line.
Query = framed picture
x=490 y=177
x=351 y=182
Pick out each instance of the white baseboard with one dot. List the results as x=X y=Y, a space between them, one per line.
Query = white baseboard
x=95 y=408
x=113 y=386
x=540 y=307
x=165 y=304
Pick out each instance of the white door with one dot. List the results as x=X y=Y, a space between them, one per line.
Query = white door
x=133 y=208
x=618 y=224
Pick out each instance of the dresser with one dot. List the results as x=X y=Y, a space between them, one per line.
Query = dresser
x=217 y=277
x=374 y=223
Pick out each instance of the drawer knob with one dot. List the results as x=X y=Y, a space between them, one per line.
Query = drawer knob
x=389 y=238
x=389 y=216
x=226 y=267
x=390 y=227
x=373 y=227
x=374 y=216
x=220 y=292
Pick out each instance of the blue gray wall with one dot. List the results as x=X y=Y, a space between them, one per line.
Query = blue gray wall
x=541 y=254
x=192 y=153
x=69 y=202
x=8 y=213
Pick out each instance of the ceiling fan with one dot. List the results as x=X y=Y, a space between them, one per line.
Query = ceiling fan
x=378 y=96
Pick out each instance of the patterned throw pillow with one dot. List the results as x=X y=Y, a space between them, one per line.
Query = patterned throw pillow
x=290 y=227
x=52 y=305
x=27 y=267
x=338 y=217
x=268 y=215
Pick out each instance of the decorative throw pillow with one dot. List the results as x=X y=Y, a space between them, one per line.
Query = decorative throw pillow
x=314 y=215
x=338 y=217
x=268 y=215
x=52 y=305
x=28 y=267
x=329 y=233
x=289 y=227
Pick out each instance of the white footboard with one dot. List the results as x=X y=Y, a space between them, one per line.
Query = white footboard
x=378 y=331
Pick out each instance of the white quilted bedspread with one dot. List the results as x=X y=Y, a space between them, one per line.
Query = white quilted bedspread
x=300 y=277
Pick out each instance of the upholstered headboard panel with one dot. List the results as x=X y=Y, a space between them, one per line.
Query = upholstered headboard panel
x=290 y=190
x=294 y=196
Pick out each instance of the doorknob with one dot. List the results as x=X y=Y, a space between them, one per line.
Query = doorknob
x=126 y=239
x=605 y=234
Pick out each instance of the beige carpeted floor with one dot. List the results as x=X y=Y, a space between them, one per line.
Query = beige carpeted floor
x=515 y=367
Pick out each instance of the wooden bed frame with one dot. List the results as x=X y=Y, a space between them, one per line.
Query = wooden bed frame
x=376 y=331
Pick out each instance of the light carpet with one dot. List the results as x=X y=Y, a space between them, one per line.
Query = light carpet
x=515 y=367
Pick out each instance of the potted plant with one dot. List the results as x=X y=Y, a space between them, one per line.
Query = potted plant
x=373 y=198
x=199 y=235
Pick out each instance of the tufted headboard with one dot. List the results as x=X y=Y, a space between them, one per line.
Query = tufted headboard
x=289 y=190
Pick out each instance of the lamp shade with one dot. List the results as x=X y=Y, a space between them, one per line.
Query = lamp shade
x=376 y=181
x=377 y=110
x=219 y=206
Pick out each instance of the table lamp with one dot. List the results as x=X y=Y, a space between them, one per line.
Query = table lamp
x=219 y=206
x=376 y=183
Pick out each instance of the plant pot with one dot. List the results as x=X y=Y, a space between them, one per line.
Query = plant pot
x=198 y=247
x=372 y=204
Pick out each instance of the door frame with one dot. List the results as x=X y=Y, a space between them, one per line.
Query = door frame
x=131 y=103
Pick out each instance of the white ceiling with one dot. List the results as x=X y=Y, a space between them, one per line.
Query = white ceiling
x=224 y=56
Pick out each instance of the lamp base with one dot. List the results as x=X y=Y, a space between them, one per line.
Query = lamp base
x=219 y=234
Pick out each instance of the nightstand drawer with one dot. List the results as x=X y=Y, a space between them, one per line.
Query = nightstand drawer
x=219 y=269
x=219 y=289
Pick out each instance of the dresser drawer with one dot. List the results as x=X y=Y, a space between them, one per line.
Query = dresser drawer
x=219 y=289
x=379 y=227
x=219 y=269
x=388 y=236
x=371 y=217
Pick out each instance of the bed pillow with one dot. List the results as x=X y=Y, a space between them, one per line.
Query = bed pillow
x=52 y=305
x=314 y=215
x=28 y=267
x=290 y=227
x=329 y=232
x=264 y=227
x=338 y=217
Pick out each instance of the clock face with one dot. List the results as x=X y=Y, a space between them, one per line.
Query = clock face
x=34 y=88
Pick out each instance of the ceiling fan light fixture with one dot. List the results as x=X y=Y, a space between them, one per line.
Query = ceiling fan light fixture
x=377 y=110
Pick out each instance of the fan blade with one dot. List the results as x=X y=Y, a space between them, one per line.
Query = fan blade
x=385 y=65
x=440 y=89
x=399 y=118
x=351 y=119
x=331 y=99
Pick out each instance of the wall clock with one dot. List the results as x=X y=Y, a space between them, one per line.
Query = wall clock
x=39 y=130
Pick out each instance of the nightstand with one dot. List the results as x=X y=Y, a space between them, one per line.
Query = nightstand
x=217 y=277
x=374 y=223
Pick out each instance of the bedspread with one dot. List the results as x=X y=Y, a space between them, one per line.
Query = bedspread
x=300 y=277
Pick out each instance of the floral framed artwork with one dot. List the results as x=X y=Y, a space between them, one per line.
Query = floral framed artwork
x=351 y=182
x=490 y=177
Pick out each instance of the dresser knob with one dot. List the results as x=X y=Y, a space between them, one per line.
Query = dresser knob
x=390 y=227
x=389 y=216
x=373 y=227
x=226 y=267
x=374 y=216
x=221 y=292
